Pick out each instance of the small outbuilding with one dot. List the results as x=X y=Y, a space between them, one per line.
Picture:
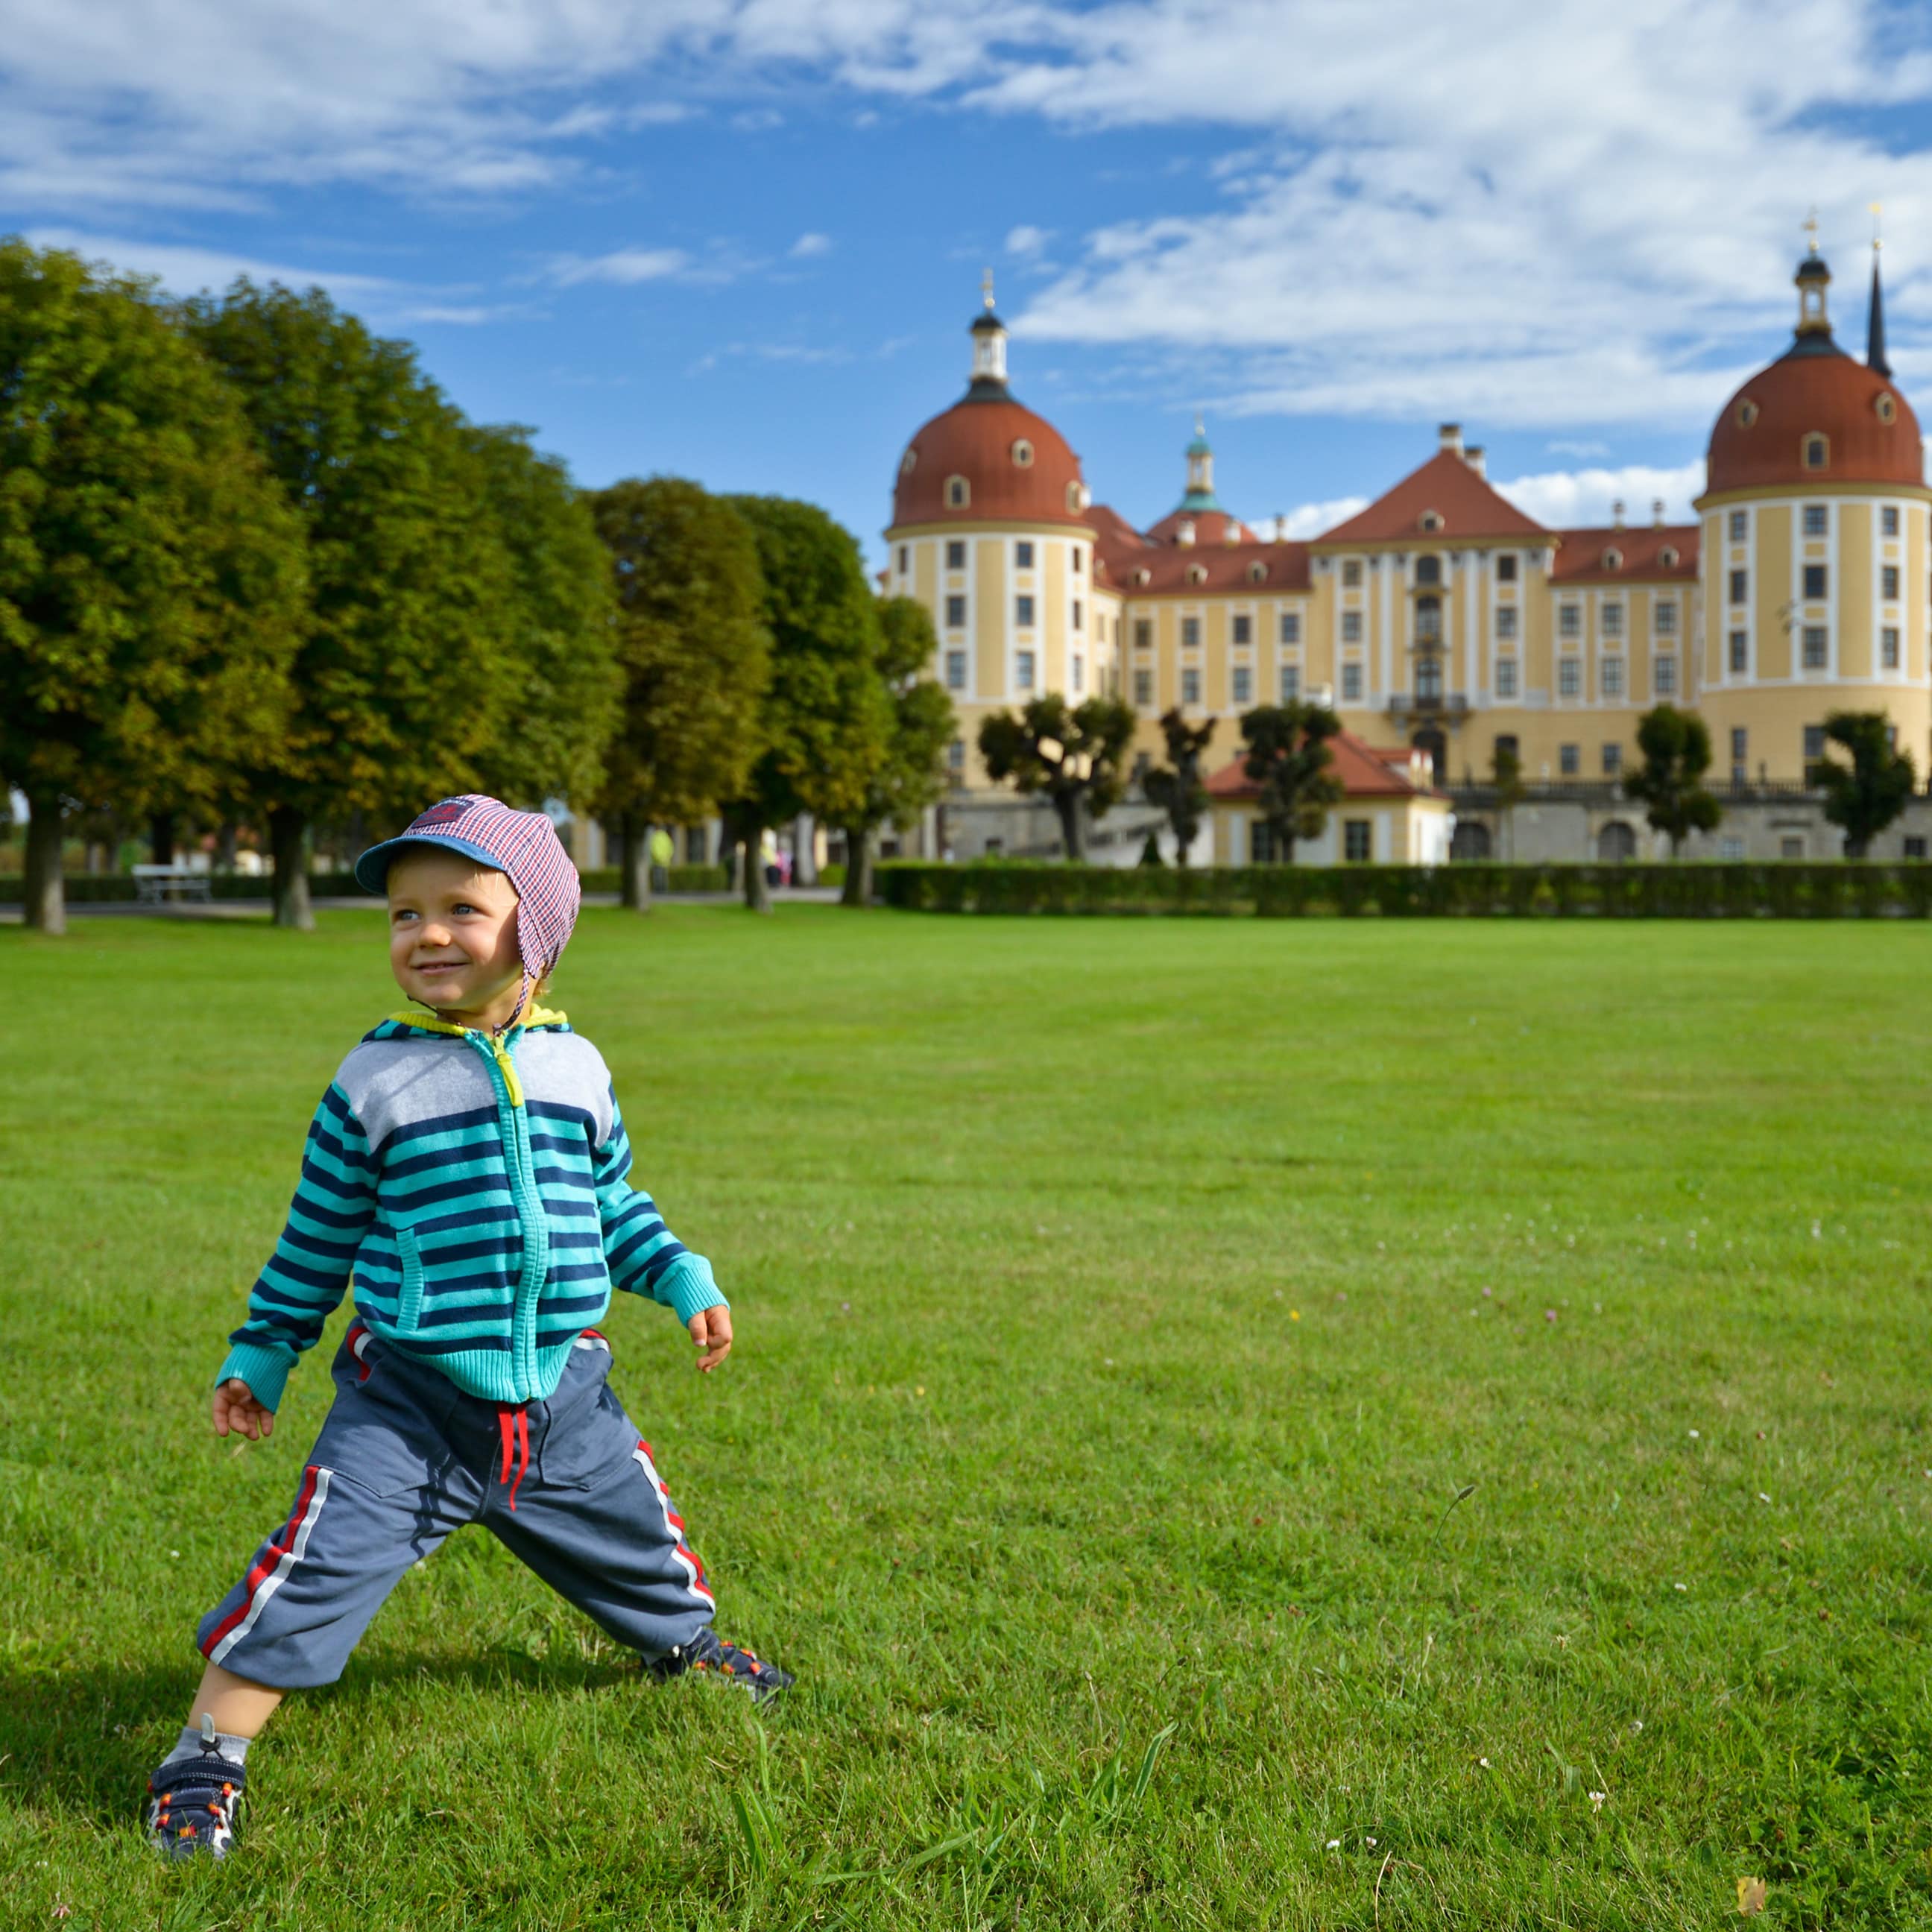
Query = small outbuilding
x=1390 y=813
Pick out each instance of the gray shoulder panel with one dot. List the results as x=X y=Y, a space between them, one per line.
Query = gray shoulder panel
x=393 y=1084
x=565 y=1070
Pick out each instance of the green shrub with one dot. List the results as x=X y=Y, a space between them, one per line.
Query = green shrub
x=1833 y=889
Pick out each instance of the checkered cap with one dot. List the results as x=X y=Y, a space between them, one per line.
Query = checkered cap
x=522 y=845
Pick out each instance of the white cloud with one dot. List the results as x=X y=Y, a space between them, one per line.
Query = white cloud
x=1581 y=448
x=186 y=270
x=1027 y=240
x=1569 y=499
x=808 y=245
x=626 y=267
x=1310 y=520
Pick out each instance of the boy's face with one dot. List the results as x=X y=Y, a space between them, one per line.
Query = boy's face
x=453 y=936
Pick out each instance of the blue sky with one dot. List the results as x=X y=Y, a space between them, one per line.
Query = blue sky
x=741 y=239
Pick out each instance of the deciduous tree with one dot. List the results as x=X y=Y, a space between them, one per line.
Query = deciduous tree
x=1177 y=787
x=1288 y=757
x=910 y=774
x=1676 y=749
x=695 y=657
x=152 y=586
x=1506 y=775
x=1866 y=796
x=825 y=718
x=409 y=671
x=1074 y=757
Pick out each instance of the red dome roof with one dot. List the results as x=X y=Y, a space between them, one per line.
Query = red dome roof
x=1872 y=435
x=978 y=439
x=1211 y=526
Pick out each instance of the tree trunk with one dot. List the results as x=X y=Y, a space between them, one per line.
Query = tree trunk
x=46 y=897
x=1072 y=832
x=757 y=889
x=224 y=846
x=288 y=843
x=858 y=866
x=161 y=838
x=634 y=861
x=804 y=850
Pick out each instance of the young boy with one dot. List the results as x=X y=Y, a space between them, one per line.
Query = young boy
x=468 y=1166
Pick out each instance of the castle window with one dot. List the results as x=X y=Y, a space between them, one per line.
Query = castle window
x=1663 y=677
x=1664 y=622
x=1888 y=582
x=1570 y=621
x=1351 y=684
x=1197 y=573
x=1023 y=454
x=956 y=614
x=1076 y=496
x=1888 y=520
x=1814 y=743
x=1355 y=840
x=1023 y=611
x=1613 y=760
x=1740 y=525
x=1740 y=762
x=1429 y=520
x=1815 y=649
x=1190 y=633
x=1886 y=405
x=1569 y=760
x=1351 y=627
x=1143 y=578
x=1190 y=687
x=1079 y=616
x=1244 y=685
x=959 y=493
x=1570 y=677
x=955 y=555
x=1506 y=568
x=1814 y=582
x=1077 y=674
x=1506 y=622
x=956 y=755
x=1613 y=559
x=1428 y=620
x=1506 y=677
x=1610 y=677
x=1747 y=412
x=1243 y=632
x=1888 y=647
x=1352 y=573
x=1023 y=669
x=1143 y=633
x=1077 y=554
x=1291 y=684
x=1291 y=627
x=1143 y=687
x=1740 y=587
x=905 y=559
x=955 y=671
x=1667 y=557
x=1817 y=452
x=1023 y=555
x=1257 y=573
x=1613 y=620
x=1740 y=657
x=1429 y=570
x=1816 y=520
x=907 y=462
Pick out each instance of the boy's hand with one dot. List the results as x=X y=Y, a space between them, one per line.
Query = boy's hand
x=711 y=1329
x=237 y=1410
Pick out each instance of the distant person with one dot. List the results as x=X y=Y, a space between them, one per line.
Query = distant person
x=660 y=858
x=768 y=856
x=470 y=1387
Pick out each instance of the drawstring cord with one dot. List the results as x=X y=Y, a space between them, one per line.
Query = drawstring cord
x=513 y=1430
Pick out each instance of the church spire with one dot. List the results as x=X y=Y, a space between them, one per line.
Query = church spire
x=1875 y=359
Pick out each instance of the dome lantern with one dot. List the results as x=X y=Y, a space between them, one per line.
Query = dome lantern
x=989 y=382
x=1812 y=278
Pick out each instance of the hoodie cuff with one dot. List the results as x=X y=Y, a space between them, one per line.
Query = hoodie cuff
x=263 y=1366
x=688 y=1288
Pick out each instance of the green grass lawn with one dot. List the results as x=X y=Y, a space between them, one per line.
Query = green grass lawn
x=1124 y=1307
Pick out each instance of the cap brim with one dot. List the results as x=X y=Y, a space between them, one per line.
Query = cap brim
x=372 y=869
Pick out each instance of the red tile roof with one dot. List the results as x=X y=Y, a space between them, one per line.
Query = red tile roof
x=976 y=439
x=1224 y=568
x=1211 y=526
x=1366 y=770
x=1811 y=389
x=1447 y=485
x=1580 y=554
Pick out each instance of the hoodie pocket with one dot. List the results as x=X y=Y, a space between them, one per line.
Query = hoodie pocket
x=410 y=1305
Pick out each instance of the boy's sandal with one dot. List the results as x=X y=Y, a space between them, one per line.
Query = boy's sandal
x=727 y=1662
x=194 y=1803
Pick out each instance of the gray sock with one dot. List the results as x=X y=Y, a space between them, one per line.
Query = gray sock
x=234 y=1749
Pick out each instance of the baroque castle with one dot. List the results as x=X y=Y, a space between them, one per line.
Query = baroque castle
x=1441 y=619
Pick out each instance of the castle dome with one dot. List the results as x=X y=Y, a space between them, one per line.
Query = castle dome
x=989 y=458
x=1815 y=415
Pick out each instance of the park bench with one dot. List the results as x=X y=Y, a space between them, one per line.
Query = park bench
x=154 y=884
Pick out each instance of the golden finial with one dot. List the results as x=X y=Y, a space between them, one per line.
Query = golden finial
x=1810 y=226
x=986 y=290
x=1878 y=240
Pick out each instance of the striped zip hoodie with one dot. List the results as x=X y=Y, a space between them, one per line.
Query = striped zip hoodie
x=476 y=1190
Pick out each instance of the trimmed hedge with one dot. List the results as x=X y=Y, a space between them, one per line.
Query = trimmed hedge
x=683 y=879
x=1784 y=889
x=103 y=888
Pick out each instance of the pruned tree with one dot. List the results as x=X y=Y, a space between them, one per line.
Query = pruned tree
x=152 y=594
x=824 y=718
x=910 y=774
x=1676 y=749
x=695 y=659
x=1178 y=787
x=1288 y=757
x=1506 y=775
x=1863 y=798
x=408 y=670
x=561 y=613
x=1074 y=757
